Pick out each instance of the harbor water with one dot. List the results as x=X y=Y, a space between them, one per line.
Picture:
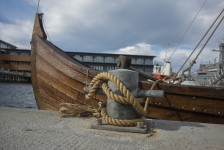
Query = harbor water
x=18 y=95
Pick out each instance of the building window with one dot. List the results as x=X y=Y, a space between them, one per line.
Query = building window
x=88 y=58
x=100 y=68
x=13 y=53
x=139 y=61
x=148 y=62
x=133 y=61
x=110 y=68
x=109 y=59
x=98 y=59
x=3 y=45
x=116 y=59
x=78 y=57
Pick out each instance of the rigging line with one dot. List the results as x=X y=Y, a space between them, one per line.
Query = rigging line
x=207 y=41
x=47 y=31
x=187 y=30
x=194 y=61
x=199 y=43
x=38 y=6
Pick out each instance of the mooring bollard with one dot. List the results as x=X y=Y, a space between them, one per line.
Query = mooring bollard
x=120 y=110
x=130 y=80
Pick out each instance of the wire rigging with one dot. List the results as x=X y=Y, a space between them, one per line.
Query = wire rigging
x=208 y=39
x=38 y=6
x=187 y=30
x=200 y=42
x=47 y=31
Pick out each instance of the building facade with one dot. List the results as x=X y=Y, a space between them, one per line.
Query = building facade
x=15 y=65
x=105 y=62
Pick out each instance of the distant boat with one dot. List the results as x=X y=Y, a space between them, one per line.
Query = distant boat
x=56 y=78
x=212 y=74
x=165 y=74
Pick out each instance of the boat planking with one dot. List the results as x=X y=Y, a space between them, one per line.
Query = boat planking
x=57 y=78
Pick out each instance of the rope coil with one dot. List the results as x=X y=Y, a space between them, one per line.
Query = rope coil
x=127 y=98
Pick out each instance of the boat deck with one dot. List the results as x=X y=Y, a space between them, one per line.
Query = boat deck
x=35 y=129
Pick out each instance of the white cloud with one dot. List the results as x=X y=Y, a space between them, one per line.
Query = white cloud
x=101 y=25
x=18 y=34
x=138 y=49
x=178 y=58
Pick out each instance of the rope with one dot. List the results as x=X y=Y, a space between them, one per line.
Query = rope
x=187 y=30
x=127 y=98
x=147 y=100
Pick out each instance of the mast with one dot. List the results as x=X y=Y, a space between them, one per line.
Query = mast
x=221 y=58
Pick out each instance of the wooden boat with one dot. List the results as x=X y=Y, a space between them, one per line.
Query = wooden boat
x=57 y=78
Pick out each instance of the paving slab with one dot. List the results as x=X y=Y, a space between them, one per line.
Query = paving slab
x=32 y=129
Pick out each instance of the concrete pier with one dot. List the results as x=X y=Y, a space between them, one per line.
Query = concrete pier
x=31 y=129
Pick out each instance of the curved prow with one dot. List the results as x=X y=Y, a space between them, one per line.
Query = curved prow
x=38 y=28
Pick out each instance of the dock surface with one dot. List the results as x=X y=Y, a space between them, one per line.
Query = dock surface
x=32 y=129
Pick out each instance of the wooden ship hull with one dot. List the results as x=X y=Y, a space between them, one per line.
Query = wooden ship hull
x=57 y=78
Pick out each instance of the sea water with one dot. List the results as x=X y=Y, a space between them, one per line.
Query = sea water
x=17 y=95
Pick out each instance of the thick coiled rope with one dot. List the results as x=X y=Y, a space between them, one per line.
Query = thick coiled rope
x=101 y=80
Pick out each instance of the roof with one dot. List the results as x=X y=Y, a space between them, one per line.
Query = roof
x=8 y=44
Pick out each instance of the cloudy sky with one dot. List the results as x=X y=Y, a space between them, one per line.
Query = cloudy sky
x=143 y=27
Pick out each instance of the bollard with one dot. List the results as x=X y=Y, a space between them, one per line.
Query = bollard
x=120 y=114
x=130 y=80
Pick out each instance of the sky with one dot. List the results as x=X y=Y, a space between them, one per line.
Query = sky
x=162 y=28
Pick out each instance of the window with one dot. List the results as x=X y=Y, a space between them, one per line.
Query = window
x=109 y=59
x=148 y=61
x=78 y=57
x=110 y=68
x=88 y=58
x=13 y=53
x=100 y=68
x=98 y=59
x=3 y=45
x=139 y=61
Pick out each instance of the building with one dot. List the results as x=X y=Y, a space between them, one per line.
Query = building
x=5 y=45
x=105 y=62
x=15 y=63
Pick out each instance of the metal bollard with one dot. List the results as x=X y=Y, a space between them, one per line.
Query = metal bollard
x=130 y=79
x=120 y=111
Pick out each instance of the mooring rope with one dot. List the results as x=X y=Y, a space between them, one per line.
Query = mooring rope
x=148 y=98
x=101 y=80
